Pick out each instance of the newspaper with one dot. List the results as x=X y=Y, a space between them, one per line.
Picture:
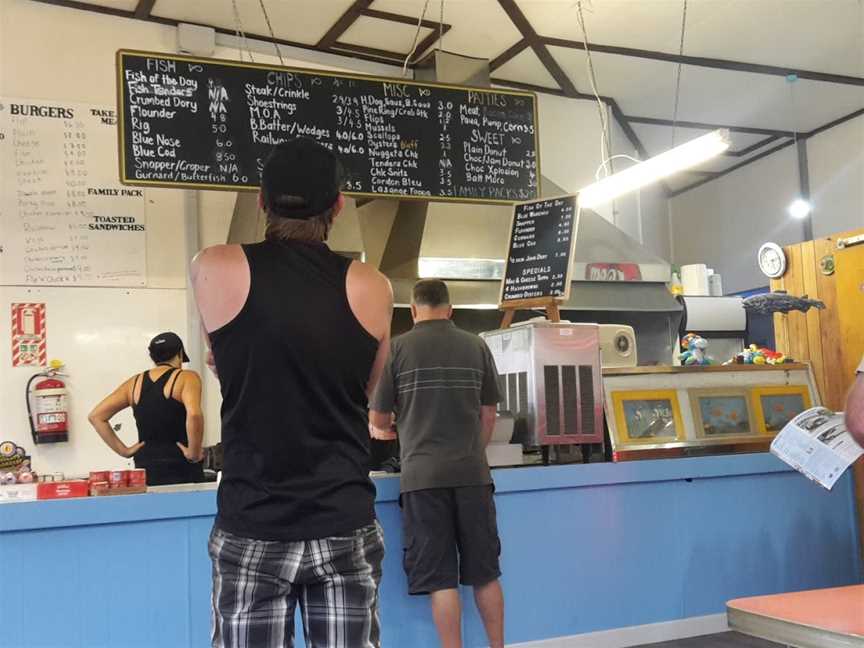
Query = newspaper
x=817 y=444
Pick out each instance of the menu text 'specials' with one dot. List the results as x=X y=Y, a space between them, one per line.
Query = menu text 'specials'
x=210 y=124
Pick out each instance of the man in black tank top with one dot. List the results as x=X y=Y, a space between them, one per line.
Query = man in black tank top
x=299 y=336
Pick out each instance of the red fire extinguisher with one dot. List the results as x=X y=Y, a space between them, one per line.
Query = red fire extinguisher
x=47 y=406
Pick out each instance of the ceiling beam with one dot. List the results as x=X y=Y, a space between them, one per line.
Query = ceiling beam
x=510 y=53
x=653 y=121
x=836 y=122
x=753 y=147
x=342 y=25
x=706 y=62
x=144 y=8
x=536 y=43
x=351 y=48
x=431 y=37
x=732 y=168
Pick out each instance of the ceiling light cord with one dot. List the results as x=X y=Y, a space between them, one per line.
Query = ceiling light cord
x=678 y=75
x=606 y=162
x=270 y=29
x=605 y=142
x=416 y=37
x=441 y=26
x=241 y=35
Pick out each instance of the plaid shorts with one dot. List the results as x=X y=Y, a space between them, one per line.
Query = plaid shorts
x=258 y=583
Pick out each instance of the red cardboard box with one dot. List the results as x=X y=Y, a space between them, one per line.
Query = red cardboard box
x=136 y=477
x=117 y=479
x=99 y=475
x=62 y=489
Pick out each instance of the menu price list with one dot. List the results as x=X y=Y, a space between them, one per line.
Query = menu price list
x=65 y=218
x=539 y=254
x=205 y=122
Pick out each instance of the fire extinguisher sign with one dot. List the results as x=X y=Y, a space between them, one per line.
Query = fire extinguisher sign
x=28 y=336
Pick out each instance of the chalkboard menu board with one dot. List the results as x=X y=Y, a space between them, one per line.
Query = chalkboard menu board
x=209 y=123
x=542 y=239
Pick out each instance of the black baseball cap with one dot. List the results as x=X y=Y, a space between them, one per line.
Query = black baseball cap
x=300 y=168
x=165 y=346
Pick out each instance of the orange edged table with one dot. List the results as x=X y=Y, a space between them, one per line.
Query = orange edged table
x=827 y=618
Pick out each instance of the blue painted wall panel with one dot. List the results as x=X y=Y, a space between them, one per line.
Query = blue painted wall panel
x=585 y=548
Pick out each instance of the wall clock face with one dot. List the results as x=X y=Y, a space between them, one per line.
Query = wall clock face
x=772 y=260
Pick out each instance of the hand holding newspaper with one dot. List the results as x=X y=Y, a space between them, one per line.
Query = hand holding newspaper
x=817 y=444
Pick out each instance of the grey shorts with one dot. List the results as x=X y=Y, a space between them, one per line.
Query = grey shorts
x=451 y=537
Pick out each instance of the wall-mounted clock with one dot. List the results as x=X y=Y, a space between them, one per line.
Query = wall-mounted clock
x=772 y=260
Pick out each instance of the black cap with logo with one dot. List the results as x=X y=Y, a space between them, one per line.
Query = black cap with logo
x=303 y=169
x=165 y=346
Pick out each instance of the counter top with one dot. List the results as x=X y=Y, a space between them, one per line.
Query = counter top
x=199 y=500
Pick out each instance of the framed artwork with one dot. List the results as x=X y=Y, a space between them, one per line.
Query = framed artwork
x=647 y=417
x=720 y=413
x=775 y=406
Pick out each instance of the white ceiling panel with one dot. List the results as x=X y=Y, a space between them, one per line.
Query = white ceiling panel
x=303 y=21
x=818 y=35
x=527 y=68
x=386 y=35
x=480 y=27
x=647 y=88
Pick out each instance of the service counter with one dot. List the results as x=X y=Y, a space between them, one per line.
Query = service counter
x=586 y=549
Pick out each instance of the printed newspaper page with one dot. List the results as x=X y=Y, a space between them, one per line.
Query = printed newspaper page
x=817 y=444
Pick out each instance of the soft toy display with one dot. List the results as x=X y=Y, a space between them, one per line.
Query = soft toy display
x=759 y=356
x=14 y=464
x=694 y=351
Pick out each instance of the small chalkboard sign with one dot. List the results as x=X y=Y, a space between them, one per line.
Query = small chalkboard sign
x=209 y=124
x=540 y=253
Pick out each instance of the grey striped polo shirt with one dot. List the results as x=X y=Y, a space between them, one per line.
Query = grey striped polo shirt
x=436 y=380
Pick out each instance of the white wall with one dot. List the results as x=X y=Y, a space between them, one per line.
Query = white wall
x=836 y=162
x=723 y=223
x=73 y=59
x=101 y=333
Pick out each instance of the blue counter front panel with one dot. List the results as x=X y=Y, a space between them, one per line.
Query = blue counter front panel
x=585 y=548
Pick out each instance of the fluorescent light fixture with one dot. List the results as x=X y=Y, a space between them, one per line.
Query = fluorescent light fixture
x=800 y=208
x=656 y=168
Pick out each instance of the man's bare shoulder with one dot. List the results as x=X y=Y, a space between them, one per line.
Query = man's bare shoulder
x=370 y=280
x=217 y=255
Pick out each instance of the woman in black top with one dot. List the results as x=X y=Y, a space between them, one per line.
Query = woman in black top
x=166 y=402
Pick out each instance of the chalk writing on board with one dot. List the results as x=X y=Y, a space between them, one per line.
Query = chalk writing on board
x=65 y=218
x=211 y=123
x=540 y=250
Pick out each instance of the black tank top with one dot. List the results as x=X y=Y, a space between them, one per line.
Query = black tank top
x=293 y=368
x=161 y=421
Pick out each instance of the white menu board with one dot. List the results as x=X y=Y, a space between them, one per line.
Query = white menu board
x=65 y=219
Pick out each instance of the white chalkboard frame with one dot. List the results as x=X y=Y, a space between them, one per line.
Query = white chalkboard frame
x=315 y=72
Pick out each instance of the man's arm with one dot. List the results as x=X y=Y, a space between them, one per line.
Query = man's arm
x=855 y=410
x=382 y=404
x=370 y=297
x=101 y=415
x=488 y=414
x=190 y=396
x=489 y=396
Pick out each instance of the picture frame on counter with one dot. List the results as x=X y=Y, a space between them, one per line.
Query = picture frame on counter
x=721 y=413
x=656 y=412
x=774 y=406
x=648 y=416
